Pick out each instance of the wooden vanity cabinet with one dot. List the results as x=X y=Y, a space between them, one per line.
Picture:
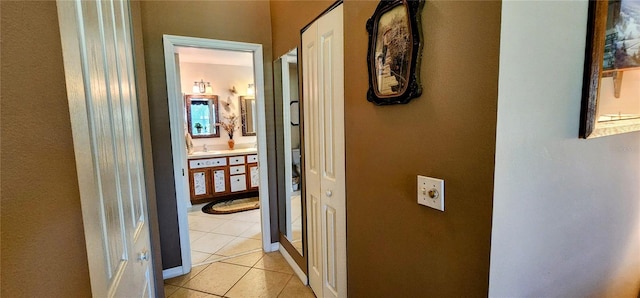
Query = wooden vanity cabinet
x=221 y=177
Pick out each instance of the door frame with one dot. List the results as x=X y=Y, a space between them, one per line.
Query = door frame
x=174 y=97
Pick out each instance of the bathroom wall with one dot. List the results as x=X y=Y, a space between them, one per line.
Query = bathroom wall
x=222 y=78
x=566 y=219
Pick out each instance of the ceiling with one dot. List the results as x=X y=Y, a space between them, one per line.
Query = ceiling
x=211 y=56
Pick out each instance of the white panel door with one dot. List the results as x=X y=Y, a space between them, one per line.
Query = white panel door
x=101 y=86
x=323 y=84
x=309 y=55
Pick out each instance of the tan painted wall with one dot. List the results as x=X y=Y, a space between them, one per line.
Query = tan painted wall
x=395 y=247
x=245 y=21
x=43 y=247
x=288 y=17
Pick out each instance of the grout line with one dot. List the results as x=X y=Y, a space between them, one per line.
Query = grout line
x=285 y=285
x=237 y=281
x=229 y=257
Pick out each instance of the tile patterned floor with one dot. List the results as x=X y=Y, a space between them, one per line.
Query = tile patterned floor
x=215 y=236
x=226 y=251
x=255 y=274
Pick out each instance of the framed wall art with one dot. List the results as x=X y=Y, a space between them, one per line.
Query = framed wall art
x=611 y=88
x=394 y=53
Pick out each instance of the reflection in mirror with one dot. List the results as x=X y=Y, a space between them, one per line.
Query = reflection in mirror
x=248 y=108
x=202 y=115
x=293 y=219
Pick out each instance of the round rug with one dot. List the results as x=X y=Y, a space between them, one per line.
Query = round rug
x=232 y=206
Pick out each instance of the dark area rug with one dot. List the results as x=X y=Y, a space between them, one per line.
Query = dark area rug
x=232 y=206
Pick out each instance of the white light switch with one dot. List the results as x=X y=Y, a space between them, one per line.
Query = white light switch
x=431 y=192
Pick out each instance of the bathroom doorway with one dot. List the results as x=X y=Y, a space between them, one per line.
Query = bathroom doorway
x=223 y=83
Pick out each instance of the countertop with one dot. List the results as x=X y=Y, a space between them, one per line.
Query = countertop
x=221 y=153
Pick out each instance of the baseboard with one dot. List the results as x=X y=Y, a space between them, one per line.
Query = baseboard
x=172 y=272
x=294 y=266
x=274 y=246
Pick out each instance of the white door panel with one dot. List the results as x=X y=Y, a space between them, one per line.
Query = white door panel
x=101 y=87
x=323 y=84
x=312 y=173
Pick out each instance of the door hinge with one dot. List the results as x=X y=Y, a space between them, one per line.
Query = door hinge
x=182 y=172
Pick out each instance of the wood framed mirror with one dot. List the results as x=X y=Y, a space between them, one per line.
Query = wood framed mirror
x=248 y=112
x=202 y=115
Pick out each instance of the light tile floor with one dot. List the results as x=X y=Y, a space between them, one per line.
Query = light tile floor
x=227 y=258
x=214 y=236
x=254 y=274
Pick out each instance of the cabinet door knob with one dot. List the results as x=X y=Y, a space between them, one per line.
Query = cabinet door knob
x=329 y=193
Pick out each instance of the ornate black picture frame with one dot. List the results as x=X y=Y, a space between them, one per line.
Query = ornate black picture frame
x=609 y=103
x=395 y=50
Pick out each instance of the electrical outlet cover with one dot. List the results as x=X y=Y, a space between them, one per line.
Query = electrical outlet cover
x=428 y=187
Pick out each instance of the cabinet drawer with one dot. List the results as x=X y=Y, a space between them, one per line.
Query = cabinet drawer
x=252 y=158
x=238 y=183
x=205 y=163
x=235 y=170
x=236 y=160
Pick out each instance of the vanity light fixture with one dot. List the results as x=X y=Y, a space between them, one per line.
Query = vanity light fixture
x=251 y=90
x=200 y=87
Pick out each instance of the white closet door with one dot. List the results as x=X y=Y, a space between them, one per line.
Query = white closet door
x=312 y=155
x=101 y=86
x=323 y=83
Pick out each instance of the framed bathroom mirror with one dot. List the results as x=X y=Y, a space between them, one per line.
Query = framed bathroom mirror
x=247 y=109
x=202 y=115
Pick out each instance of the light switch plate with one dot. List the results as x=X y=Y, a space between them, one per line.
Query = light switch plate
x=431 y=192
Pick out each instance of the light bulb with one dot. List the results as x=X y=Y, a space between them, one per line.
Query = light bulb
x=250 y=90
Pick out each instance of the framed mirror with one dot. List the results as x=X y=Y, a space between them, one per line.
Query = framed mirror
x=247 y=109
x=202 y=115
x=291 y=205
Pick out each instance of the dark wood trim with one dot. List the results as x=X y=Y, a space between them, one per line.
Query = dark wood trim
x=301 y=260
x=592 y=66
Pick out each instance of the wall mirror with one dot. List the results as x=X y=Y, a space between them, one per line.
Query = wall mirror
x=202 y=115
x=247 y=109
x=290 y=202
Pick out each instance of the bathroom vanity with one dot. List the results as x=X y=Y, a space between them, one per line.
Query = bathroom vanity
x=218 y=175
